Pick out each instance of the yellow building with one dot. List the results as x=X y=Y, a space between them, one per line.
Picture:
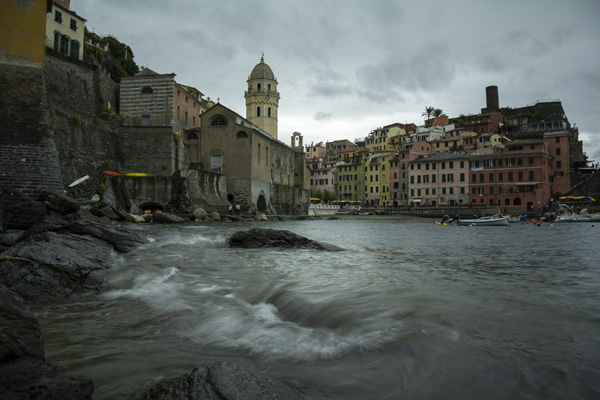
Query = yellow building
x=22 y=31
x=377 y=179
x=351 y=174
x=65 y=31
x=383 y=139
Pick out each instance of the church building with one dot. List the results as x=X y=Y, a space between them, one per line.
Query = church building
x=262 y=173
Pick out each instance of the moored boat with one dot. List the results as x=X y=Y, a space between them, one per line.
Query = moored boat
x=494 y=220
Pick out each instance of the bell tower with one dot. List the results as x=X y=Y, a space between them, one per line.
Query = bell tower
x=262 y=98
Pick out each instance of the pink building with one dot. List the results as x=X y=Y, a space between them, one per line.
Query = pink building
x=440 y=179
x=322 y=174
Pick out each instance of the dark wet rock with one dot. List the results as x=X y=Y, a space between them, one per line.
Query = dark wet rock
x=259 y=237
x=166 y=218
x=52 y=265
x=19 y=211
x=221 y=381
x=121 y=238
x=23 y=372
x=59 y=202
x=8 y=239
x=82 y=215
x=108 y=212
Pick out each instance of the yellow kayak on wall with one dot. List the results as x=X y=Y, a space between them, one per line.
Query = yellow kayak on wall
x=137 y=174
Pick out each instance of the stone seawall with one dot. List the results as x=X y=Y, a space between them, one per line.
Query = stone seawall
x=28 y=157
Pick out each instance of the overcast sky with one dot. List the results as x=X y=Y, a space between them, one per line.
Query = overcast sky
x=346 y=67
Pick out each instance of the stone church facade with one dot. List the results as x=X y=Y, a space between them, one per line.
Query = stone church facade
x=263 y=174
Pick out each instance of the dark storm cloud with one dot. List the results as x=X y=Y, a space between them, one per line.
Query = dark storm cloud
x=364 y=60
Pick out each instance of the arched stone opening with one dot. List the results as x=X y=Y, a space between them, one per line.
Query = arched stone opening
x=261 y=203
x=152 y=207
x=517 y=201
x=230 y=197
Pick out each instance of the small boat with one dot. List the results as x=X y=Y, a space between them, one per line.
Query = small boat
x=138 y=174
x=78 y=181
x=568 y=215
x=111 y=173
x=520 y=218
x=494 y=220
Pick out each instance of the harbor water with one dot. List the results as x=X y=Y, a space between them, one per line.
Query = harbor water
x=411 y=310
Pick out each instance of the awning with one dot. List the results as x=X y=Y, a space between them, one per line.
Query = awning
x=417 y=200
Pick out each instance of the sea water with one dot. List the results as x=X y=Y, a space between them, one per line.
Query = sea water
x=410 y=310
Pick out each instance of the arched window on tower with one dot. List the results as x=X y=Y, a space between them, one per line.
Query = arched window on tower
x=147 y=90
x=269 y=111
x=269 y=86
x=258 y=111
x=258 y=86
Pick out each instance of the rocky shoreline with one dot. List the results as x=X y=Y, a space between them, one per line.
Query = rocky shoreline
x=51 y=250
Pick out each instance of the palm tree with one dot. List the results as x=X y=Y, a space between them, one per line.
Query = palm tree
x=438 y=112
x=428 y=112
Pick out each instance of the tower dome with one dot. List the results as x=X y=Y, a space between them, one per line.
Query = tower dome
x=262 y=98
x=262 y=71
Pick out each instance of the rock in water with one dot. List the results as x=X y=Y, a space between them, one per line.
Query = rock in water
x=222 y=381
x=166 y=218
x=52 y=265
x=23 y=372
x=258 y=237
x=199 y=214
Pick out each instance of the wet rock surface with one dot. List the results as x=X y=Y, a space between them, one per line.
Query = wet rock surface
x=23 y=372
x=260 y=237
x=221 y=381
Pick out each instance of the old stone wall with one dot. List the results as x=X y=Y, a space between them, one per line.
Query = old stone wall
x=149 y=150
x=28 y=156
x=86 y=144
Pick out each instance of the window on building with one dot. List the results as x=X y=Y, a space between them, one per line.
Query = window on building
x=73 y=24
x=530 y=160
x=462 y=177
x=481 y=177
x=258 y=111
x=216 y=161
x=558 y=151
x=531 y=175
x=462 y=164
x=491 y=177
x=520 y=175
x=75 y=49
x=474 y=178
x=145 y=120
x=269 y=111
x=217 y=121
x=510 y=176
x=147 y=90
x=557 y=139
x=58 y=16
x=500 y=176
x=432 y=178
x=558 y=164
x=64 y=44
x=519 y=161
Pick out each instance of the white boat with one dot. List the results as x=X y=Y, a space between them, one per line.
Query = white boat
x=494 y=220
x=566 y=214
